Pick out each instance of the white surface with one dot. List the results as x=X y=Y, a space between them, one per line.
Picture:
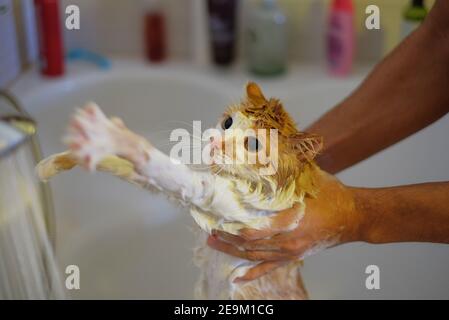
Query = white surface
x=131 y=244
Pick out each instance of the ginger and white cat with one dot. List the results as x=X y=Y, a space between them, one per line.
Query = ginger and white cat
x=228 y=197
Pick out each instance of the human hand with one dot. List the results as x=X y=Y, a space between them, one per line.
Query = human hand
x=329 y=220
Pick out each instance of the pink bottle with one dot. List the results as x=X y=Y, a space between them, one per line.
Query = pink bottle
x=340 y=37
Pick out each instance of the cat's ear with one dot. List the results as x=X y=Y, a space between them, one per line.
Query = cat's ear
x=306 y=145
x=254 y=93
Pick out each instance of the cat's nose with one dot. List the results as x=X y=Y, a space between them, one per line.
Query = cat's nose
x=215 y=142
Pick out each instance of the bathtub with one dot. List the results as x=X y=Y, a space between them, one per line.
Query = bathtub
x=129 y=243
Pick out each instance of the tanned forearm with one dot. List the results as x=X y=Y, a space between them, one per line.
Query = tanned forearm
x=417 y=213
x=406 y=92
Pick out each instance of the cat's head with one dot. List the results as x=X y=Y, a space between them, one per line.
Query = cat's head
x=261 y=130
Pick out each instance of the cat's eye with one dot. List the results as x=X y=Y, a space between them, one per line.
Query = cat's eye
x=227 y=123
x=252 y=144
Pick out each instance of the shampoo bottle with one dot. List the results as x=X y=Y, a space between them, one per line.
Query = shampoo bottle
x=267 y=39
x=50 y=37
x=340 y=37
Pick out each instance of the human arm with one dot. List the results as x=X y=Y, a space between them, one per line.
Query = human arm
x=413 y=213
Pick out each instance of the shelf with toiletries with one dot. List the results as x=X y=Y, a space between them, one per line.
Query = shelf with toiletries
x=262 y=37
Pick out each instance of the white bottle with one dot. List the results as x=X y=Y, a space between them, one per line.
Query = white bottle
x=200 y=49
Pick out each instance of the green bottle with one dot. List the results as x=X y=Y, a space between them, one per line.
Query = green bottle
x=414 y=14
x=266 y=39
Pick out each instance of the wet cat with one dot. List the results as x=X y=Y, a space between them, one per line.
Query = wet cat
x=228 y=197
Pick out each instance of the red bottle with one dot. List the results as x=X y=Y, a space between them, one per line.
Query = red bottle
x=155 y=45
x=50 y=39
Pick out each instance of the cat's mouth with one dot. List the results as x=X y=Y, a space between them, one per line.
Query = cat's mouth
x=219 y=161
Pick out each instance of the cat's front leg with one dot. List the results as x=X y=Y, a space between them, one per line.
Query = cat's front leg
x=92 y=137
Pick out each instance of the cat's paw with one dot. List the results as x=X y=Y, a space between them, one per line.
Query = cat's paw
x=92 y=136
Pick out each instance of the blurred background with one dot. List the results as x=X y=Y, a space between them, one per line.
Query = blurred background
x=160 y=65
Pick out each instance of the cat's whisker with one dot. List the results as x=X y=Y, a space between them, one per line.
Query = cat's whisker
x=218 y=172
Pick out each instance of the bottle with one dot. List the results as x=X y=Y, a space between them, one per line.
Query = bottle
x=155 y=32
x=340 y=37
x=222 y=25
x=267 y=39
x=50 y=39
x=199 y=45
x=413 y=15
